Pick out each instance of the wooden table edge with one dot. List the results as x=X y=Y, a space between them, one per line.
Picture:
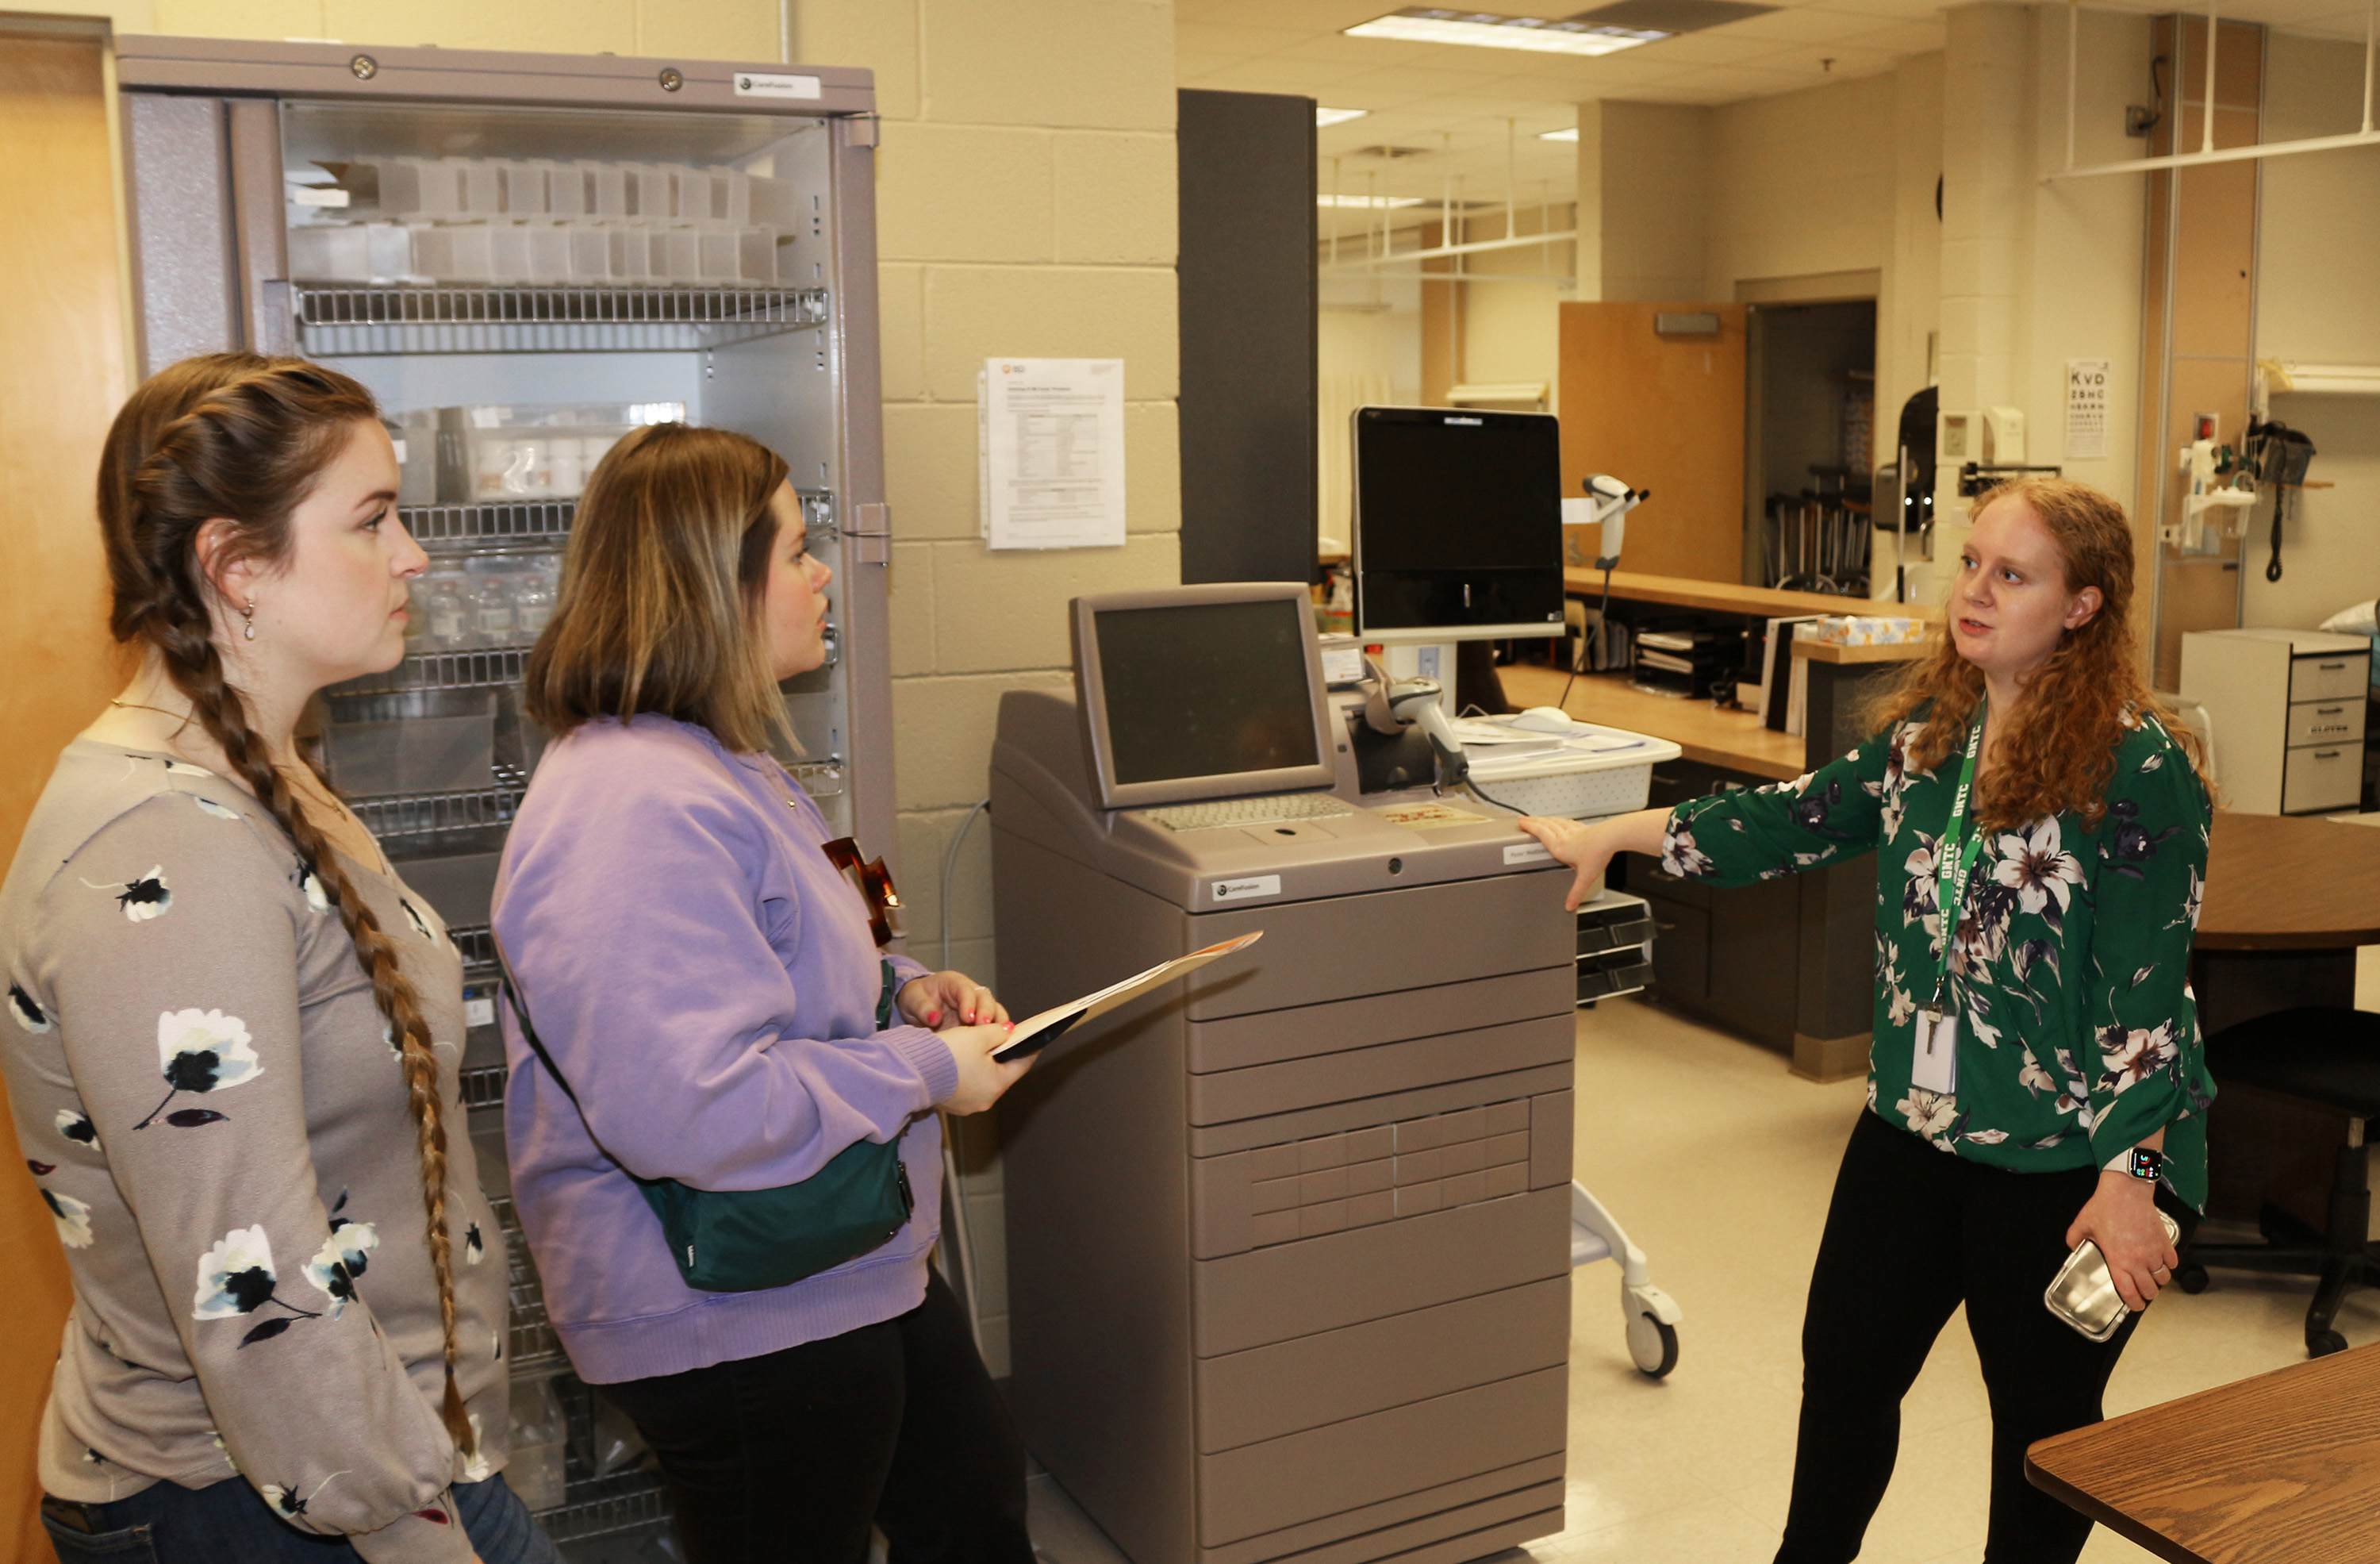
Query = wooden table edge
x=2115 y=1520
x=2329 y=939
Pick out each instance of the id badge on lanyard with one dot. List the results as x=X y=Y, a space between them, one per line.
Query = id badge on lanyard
x=1934 y=1058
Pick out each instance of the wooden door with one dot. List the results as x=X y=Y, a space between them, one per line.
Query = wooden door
x=1664 y=413
x=62 y=376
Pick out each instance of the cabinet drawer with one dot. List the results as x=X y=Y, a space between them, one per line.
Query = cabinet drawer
x=2329 y=678
x=1272 y=1037
x=2322 y=776
x=1279 y=1483
x=1350 y=945
x=2327 y=722
x=1336 y=1374
x=1269 y=1295
x=1383 y=1068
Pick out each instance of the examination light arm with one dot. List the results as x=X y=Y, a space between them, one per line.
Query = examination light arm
x=1612 y=501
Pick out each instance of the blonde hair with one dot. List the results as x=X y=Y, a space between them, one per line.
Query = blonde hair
x=244 y=438
x=662 y=587
x=2058 y=751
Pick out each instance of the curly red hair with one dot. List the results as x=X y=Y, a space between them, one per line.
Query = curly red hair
x=2058 y=751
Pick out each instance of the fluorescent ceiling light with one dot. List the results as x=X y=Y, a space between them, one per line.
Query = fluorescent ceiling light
x=1430 y=24
x=1374 y=202
x=1336 y=116
x=1569 y=135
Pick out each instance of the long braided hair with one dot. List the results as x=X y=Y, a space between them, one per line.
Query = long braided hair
x=244 y=437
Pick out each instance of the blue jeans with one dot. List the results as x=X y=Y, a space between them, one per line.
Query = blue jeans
x=229 y=1523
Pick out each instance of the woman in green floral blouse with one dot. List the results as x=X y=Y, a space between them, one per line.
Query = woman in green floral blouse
x=2051 y=1051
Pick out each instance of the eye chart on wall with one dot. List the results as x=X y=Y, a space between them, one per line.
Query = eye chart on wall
x=2086 y=409
x=1050 y=452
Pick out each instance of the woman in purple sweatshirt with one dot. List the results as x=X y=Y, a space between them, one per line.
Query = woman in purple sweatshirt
x=707 y=983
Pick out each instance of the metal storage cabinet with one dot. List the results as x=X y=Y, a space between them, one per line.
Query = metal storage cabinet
x=231 y=147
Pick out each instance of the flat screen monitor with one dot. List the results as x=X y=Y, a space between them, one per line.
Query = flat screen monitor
x=1458 y=524
x=1201 y=692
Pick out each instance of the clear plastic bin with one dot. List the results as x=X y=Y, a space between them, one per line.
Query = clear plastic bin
x=540 y=1437
x=377 y=254
x=415 y=436
x=525 y=451
x=422 y=754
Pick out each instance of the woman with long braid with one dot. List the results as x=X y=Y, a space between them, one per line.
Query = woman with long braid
x=232 y=1033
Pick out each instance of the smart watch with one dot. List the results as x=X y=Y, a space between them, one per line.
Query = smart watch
x=2145 y=1164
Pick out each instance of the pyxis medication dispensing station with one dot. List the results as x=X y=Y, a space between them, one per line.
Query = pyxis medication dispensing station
x=1288 y=1248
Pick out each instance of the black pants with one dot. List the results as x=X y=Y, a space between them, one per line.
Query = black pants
x=789 y=1457
x=1912 y=1233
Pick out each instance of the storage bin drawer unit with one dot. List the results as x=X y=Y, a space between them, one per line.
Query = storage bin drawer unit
x=1615 y=947
x=2286 y=711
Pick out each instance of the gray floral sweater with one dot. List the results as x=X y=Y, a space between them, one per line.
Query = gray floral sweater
x=205 y=1094
x=2077 y=1035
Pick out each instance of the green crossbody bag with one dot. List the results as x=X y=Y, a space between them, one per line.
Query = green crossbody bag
x=745 y=1241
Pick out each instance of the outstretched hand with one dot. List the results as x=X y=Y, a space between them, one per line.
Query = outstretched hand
x=1588 y=846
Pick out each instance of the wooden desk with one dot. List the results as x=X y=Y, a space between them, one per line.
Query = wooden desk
x=2288 y=901
x=2284 y=1466
x=2278 y=882
x=1723 y=597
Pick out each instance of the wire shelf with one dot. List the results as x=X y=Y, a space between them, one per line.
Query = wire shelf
x=607 y=1507
x=422 y=814
x=529 y=1343
x=517 y=521
x=819 y=780
x=340 y=320
x=489 y=669
x=477 y=944
x=483 y=1085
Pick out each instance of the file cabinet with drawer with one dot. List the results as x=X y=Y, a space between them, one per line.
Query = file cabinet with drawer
x=2287 y=710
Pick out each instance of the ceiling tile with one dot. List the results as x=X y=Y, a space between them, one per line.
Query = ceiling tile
x=1804 y=24
x=1909 y=37
x=1209 y=38
x=1718 y=47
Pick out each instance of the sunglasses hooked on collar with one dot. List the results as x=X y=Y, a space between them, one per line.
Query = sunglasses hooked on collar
x=867 y=876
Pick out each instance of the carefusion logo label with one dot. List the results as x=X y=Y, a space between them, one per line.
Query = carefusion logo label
x=1527 y=852
x=755 y=84
x=1254 y=887
x=1472 y=422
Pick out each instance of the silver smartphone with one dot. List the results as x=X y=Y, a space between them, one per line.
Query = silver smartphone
x=2084 y=1295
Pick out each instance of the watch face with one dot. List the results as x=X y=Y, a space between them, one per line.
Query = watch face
x=2147 y=1163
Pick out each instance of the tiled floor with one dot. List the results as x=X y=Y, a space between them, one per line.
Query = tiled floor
x=1720 y=1163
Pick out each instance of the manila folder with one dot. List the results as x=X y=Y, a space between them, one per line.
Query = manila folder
x=1035 y=1033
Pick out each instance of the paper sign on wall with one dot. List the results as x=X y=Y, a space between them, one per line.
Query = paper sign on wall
x=2086 y=409
x=1050 y=436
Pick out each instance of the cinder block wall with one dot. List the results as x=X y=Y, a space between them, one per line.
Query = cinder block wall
x=1026 y=209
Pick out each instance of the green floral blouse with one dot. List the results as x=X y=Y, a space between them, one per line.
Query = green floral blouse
x=2078 y=1035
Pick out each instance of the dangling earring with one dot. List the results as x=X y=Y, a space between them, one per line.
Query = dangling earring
x=247 y=615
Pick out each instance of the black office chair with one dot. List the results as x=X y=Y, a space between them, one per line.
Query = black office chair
x=2330 y=1058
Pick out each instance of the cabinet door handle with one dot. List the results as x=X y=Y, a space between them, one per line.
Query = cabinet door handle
x=2326 y=754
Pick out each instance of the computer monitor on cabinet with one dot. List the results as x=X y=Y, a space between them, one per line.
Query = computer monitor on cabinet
x=1457 y=523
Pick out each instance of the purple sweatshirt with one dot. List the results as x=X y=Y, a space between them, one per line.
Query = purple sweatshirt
x=706 y=979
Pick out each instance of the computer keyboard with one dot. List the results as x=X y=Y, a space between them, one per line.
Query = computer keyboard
x=1262 y=810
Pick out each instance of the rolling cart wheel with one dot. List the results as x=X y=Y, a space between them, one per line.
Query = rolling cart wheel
x=1652 y=1344
x=2192 y=1279
x=2323 y=1343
